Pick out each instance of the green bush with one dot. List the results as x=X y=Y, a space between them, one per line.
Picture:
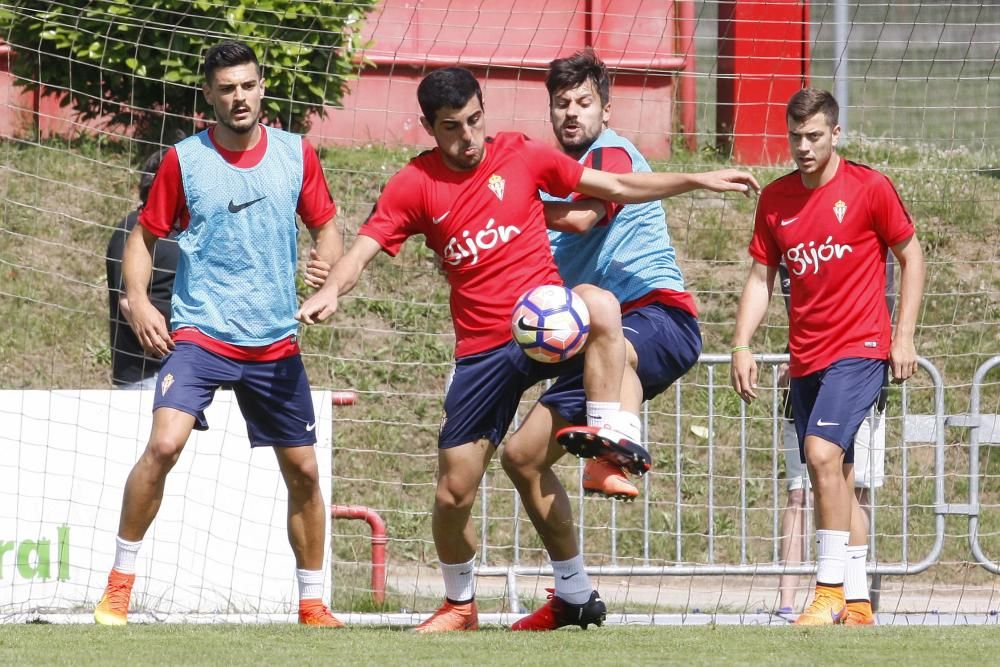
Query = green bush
x=141 y=65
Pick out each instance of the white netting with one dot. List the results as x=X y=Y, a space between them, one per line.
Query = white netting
x=920 y=87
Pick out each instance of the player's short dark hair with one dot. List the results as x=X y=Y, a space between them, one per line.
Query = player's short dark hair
x=228 y=54
x=573 y=71
x=810 y=101
x=450 y=87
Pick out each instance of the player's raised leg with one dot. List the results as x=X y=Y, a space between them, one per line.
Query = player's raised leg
x=612 y=432
x=140 y=503
x=461 y=469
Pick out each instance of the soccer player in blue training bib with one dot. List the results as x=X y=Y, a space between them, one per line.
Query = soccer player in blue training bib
x=832 y=221
x=233 y=191
x=626 y=250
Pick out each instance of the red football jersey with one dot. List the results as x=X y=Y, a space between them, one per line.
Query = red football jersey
x=486 y=225
x=834 y=240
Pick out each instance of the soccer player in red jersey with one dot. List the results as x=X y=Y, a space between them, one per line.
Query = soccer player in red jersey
x=475 y=199
x=833 y=221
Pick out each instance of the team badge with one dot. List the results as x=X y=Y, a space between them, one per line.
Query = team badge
x=165 y=383
x=839 y=209
x=497 y=184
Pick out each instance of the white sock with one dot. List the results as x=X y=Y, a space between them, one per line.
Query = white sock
x=459 y=580
x=600 y=414
x=572 y=582
x=855 y=576
x=125 y=553
x=310 y=584
x=831 y=556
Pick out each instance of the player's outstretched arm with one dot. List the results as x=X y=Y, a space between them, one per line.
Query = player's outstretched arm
x=635 y=188
x=903 y=352
x=342 y=279
x=749 y=315
x=137 y=267
x=327 y=248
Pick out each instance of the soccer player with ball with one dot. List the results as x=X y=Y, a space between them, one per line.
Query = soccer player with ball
x=832 y=221
x=626 y=250
x=475 y=200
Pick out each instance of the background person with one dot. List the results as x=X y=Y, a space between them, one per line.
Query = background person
x=131 y=367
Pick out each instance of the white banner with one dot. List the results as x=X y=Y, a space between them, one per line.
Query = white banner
x=219 y=543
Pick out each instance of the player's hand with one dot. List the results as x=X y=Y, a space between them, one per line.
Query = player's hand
x=902 y=360
x=318 y=307
x=729 y=180
x=316 y=270
x=743 y=374
x=151 y=329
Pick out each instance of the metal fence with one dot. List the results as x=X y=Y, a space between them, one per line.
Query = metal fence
x=917 y=496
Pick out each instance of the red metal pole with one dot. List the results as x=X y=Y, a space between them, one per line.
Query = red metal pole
x=379 y=540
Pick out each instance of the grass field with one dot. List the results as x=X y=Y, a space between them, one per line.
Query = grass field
x=218 y=646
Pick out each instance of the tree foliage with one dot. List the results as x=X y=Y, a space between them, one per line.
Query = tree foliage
x=139 y=64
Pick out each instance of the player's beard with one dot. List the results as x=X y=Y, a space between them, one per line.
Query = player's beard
x=241 y=127
x=579 y=144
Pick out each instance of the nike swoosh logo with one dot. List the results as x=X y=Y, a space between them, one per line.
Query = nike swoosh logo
x=568 y=576
x=236 y=208
x=785 y=223
x=820 y=422
x=462 y=574
x=440 y=219
x=521 y=324
x=310 y=427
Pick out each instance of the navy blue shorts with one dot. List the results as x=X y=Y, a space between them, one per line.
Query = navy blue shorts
x=273 y=396
x=666 y=340
x=486 y=389
x=831 y=403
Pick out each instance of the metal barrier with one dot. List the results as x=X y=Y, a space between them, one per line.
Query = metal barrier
x=905 y=564
x=975 y=424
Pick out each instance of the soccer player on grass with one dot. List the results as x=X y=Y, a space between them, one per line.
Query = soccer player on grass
x=833 y=221
x=475 y=199
x=234 y=191
x=626 y=250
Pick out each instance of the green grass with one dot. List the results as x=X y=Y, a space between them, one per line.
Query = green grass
x=221 y=645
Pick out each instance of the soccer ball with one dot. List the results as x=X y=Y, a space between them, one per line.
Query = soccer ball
x=550 y=323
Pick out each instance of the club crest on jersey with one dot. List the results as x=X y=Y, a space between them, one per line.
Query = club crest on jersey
x=165 y=383
x=839 y=209
x=497 y=184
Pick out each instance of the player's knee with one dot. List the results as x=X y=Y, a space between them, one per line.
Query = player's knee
x=303 y=475
x=823 y=457
x=516 y=461
x=604 y=309
x=453 y=498
x=164 y=450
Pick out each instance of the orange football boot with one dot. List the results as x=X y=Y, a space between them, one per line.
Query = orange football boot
x=113 y=607
x=827 y=608
x=603 y=478
x=451 y=617
x=314 y=612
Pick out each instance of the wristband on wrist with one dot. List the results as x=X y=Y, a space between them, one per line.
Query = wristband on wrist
x=740 y=348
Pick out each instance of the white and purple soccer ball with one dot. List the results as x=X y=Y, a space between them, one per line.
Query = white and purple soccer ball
x=550 y=323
